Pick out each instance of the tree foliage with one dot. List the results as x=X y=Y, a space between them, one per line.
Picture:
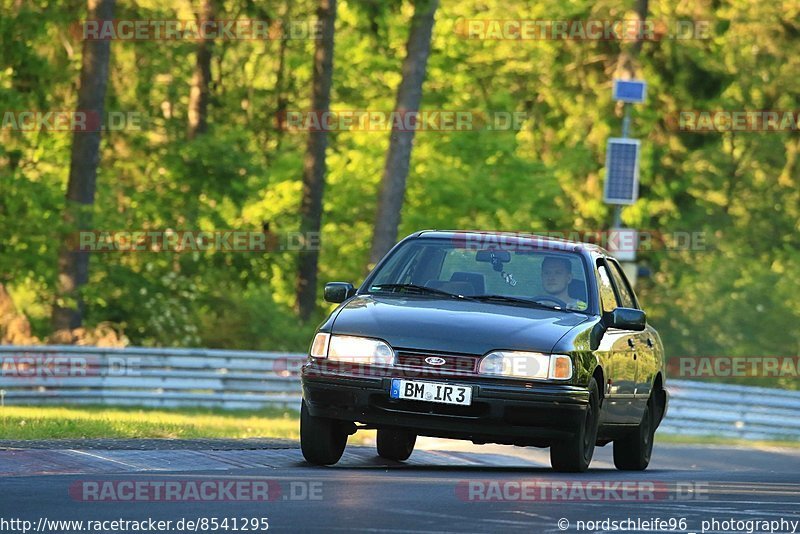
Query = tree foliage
x=740 y=190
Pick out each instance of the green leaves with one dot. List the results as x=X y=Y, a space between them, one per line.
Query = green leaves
x=739 y=189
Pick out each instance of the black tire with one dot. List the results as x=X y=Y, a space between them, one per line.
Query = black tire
x=395 y=444
x=321 y=440
x=632 y=453
x=575 y=455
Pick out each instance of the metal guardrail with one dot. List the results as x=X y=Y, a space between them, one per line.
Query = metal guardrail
x=726 y=410
x=248 y=380
x=51 y=374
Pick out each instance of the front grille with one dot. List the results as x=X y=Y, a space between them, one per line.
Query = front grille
x=453 y=363
x=475 y=410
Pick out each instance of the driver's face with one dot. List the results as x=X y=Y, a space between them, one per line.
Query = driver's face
x=555 y=278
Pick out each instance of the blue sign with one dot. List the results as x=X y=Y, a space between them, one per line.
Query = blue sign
x=633 y=91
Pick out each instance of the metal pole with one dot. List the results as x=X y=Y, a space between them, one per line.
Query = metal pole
x=626 y=119
x=617 y=217
x=628 y=266
x=626 y=126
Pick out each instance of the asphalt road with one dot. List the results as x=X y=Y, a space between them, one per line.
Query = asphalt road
x=446 y=486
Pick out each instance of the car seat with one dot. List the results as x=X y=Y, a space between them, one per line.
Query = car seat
x=476 y=280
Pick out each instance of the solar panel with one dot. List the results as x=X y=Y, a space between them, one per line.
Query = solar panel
x=634 y=91
x=622 y=171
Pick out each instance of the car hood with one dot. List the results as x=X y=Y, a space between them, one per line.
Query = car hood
x=452 y=325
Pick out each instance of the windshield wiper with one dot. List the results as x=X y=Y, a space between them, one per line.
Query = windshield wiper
x=414 y=288
x=516 y=300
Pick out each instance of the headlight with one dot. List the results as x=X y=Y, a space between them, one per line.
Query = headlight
x=534 y=365
x=352 y=349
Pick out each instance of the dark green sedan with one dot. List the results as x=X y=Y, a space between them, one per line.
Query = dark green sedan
x=492 y=338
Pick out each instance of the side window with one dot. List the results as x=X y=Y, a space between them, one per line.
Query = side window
x=607 y=298
x=620 y=281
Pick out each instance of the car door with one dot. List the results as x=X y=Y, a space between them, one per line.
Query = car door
x=642 y=344
x=646 y=343
x=616 y=355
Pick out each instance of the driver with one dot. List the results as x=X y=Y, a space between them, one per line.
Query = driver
x=556 y=276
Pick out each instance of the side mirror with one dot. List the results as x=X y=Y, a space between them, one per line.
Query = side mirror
x=626 y=319
x=338 y=291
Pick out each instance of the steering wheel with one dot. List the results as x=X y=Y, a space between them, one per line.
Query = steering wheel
x=558 y=302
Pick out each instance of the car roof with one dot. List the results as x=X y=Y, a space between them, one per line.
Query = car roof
x=488 y=239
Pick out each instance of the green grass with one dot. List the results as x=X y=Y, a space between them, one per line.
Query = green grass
x=715 y=440
x=43 y=422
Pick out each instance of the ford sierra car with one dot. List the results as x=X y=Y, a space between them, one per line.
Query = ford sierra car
x=488 y=337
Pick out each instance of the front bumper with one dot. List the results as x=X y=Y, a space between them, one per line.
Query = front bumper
x=499 y=413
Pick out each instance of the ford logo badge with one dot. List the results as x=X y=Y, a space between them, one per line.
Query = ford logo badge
x=435 y=360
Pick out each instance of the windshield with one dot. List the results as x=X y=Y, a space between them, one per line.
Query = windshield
x=530 y=276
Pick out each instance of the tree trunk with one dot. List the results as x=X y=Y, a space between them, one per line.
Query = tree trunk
x=201 y=79
x=73 y=265
x=314 y=167
x=626 y=64
x=409 y=95
x=280 y=79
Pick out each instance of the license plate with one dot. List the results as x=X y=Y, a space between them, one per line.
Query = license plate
x=431 y=392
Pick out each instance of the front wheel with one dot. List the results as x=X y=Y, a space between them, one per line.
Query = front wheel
x=395 y=444
x=575 y=455
x=632 y=453
x=321 y=440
